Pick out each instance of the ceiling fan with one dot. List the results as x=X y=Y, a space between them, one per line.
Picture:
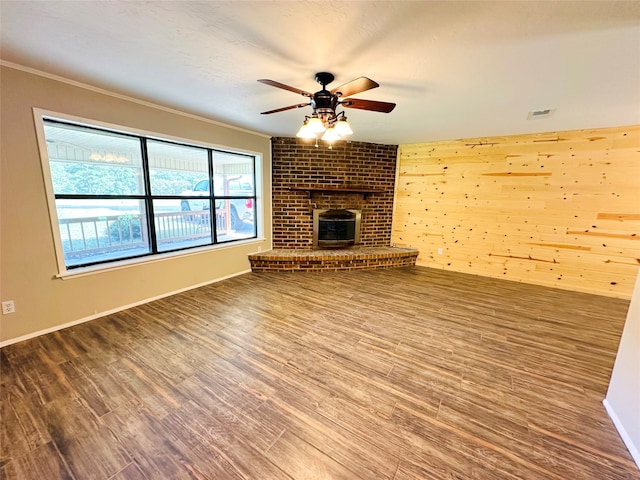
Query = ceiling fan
x=324 y=103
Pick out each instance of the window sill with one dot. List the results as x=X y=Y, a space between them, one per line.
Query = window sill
x=103 y=268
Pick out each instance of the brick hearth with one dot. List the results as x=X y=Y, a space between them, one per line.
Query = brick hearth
x=355 y=258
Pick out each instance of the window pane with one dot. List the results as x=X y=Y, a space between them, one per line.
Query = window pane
x=233 y=174
x=176 y=169
x=235 y=219
x=101 y=230
x=91 y=162
x=177 y=229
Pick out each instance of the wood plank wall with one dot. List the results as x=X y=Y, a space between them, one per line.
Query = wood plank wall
x=556 y=209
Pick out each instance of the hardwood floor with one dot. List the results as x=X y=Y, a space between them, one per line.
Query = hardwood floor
x=399 y=374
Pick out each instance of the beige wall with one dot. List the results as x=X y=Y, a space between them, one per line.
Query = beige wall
x=27 y=256
x=556 y=209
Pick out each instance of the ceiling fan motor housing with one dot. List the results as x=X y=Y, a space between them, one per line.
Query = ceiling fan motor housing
x=324 y=102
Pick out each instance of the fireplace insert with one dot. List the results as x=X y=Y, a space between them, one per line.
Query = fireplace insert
x=339 y=228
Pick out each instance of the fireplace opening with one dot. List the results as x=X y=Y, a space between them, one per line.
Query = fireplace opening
x=338 y=228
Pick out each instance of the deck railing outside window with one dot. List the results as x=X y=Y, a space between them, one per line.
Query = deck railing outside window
x=95 y=237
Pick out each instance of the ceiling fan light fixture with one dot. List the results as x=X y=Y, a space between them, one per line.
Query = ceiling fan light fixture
x=304 y=131
x=342 y=127
x=330 y=135
x=315 y=125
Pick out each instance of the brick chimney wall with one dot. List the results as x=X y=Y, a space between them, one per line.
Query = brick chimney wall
x=298 y=163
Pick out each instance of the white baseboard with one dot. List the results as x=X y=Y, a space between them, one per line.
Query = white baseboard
x=633 y=449
x=11 y=341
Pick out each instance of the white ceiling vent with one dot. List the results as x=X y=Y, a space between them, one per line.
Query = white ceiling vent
x=540 y=114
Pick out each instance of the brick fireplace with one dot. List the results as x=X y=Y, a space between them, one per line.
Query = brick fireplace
x=352 y=176
x=366 y=168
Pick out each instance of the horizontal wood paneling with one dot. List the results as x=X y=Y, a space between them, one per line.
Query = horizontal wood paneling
x=555 y=209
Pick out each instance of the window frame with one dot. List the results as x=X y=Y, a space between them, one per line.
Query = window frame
x=147 y=198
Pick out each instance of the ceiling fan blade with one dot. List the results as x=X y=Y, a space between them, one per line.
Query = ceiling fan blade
x=299 y=105
x=285 y=87
x=354 y=86
x=373 y=105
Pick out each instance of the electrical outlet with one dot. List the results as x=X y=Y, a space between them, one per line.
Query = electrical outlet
x=8 y=307
x=439 y=251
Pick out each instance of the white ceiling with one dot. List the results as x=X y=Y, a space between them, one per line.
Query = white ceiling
x=455 y=69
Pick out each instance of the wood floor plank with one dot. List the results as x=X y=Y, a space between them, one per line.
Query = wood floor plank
x=42 y=377
x=303 y=461
x=88 y=447
x=43 y=462
x=96 y=384
x=60 y=347
x=157 y=452
x=22 y=430
x=201 y=422
x=462 y=446
x=146 y=385
x=130 y=472
x=215 y=429
x=346 y=447
x=394 y=374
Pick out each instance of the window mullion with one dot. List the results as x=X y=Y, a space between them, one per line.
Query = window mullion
x=212 y=200
x=148 y=200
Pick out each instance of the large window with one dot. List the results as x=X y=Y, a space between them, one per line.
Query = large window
x=121 y=196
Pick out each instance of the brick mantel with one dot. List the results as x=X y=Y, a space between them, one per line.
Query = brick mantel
x=350 y=175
